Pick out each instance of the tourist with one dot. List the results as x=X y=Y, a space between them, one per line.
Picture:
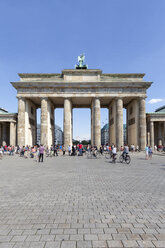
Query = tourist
x=150 y=152
x=63 y=149
x=69 y=150
x=146 y=151
x=37 y=154
x=137 y=149
x=80 y=150
x=114 y=151
x=73 y=151
x=125 y=151
x=101 y=150
x=1 y=152
x=55 y=151
x=41 y=152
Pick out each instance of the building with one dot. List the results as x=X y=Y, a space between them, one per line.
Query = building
x=86 y=88
x=58 y=135
x=105 y=134
x=156 y=127
x=8 y=125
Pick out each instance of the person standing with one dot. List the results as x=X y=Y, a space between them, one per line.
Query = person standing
x=41 y=152
x=69 y=150
x=63 y=149
x=146 y=150
x=80 y=150
x=150 y=152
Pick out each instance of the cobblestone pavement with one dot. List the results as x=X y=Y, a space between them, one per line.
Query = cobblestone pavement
x=69 y=202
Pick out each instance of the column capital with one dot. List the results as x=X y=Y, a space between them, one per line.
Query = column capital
x=67 y=98
x=44 y=98
x=141 y=98
x=21 y=98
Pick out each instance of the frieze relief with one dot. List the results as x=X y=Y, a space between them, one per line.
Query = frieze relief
x=81 y=90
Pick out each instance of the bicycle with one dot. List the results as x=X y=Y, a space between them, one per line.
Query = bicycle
x=108 y=154
x=114 y=157
x=93 y=154
x=125 y=157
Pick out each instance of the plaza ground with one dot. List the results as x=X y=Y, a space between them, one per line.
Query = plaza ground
x=75 y=202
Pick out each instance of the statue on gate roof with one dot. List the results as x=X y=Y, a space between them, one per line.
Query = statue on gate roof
x=81 y=64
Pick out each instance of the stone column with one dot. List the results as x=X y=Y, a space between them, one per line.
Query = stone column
x=21 y=122
x=67 y=123
x=159 y=134
x=0 y=134
x=119 y=123
x=46 y=125
x=12 y=134
x=91 y=126
x=4 y=134
x=142 y=124
x=112 y=122
x=164 y=133
x=152 y=134
x=96 y=123
x=44 y=121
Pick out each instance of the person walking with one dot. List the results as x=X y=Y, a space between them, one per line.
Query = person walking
x=41 y=152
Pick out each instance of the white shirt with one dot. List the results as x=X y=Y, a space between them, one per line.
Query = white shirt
x=114 y=150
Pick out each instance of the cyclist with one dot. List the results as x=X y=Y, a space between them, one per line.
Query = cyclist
x=114 y=152
x=126 y=151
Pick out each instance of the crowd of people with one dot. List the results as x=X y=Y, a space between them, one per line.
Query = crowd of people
x=38 y=152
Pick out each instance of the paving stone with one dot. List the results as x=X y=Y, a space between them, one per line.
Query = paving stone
x=68 y=244
x=159 y=244
x=99 y=244
x=160 y=237
x=22 y=245
x=37 y=245
x=148 y=236
x=84 y=244
x=76 y=237
x=134 y=236
x=130 y=243
x=145 y=243
x=115 y=244
x=61 y=237
x=70 y=231
x=105 y=236
x=119 y=236
x=47 y=237
x=19 y=238
x=4 y=238
x=57 y=231
x=7 y=245
x=84 y=231
x=96 y=231
x=33 y=238
x=90 y=237
x=43 y=231
x=54 y=244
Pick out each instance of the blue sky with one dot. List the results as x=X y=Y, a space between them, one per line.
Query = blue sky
x=117 y=36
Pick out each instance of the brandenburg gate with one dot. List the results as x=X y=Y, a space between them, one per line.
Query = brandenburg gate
x=82 y=88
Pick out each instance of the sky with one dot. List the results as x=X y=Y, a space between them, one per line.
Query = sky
x=117 y=36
